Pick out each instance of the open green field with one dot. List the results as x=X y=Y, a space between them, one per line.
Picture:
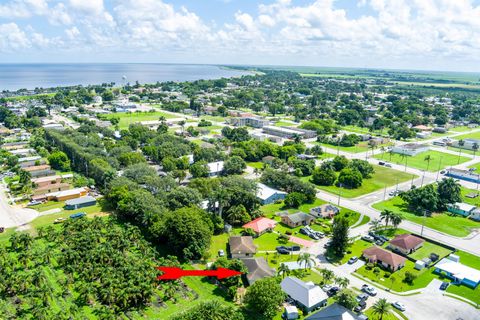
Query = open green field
x=439 y=85
x=454 y=225
x=285 y=124
x=427 y=249
x=383 y=177
x=439 y=160
x=356 y=129
x=471 y=135
x=424 y=277
x=128 y=118
x=461 y=129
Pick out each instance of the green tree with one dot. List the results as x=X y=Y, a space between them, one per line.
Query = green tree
x=449 y=191
x=428 y=158
x=386 y=215
x=396 y=219
x=339 y=240
x=339 y=163
x=294 y=200
x=381 y=308
x=461 y=143
x=350 y=178
x=342 y=282
x=58 y=160
x=210 y=310
x=305 y=259
x=283 y=270
x=265 y=297
x=346 y=298
x=327 y=275
x=199 y=169
x=234 y=165
x=324 y=177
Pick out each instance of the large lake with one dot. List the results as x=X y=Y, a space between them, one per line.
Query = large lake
x=30 y=76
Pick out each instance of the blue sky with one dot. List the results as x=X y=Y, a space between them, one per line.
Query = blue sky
x=401 y=34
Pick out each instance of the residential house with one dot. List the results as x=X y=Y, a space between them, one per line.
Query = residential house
x=67 y=194
x=254 y=122
x=468 y=144
x=81 y=202
x=289 y=132
x=463 y=209
x=463 y=175
x=325 y=211
x=241 y=247
x=406 y=243
x=269 y=195
x=260 y=225
x=410 y=149
x=40 y=171
x=336 y=312
x=389 y=260
x=307 y=295
x=45 y=181
x=459 y=273
x=215 y=168
x=258 y=268
x=297 y=219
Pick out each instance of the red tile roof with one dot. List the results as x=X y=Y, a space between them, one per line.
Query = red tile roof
x=376 y=253
x=406 y=241
x=260 y=224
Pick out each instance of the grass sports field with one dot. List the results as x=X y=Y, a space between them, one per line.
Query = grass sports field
x=439 y=160
x=127 y=118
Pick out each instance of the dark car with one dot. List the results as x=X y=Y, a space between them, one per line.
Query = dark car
x=295 y=248
x=444 y=285
x=362 y=297
x=373 y=235
x=361 y=305
x=384 y=238
x=304 y=231
x=314 y=236
x=381 y=163
x=282 y=250
x=380 y=242
x=333 y=291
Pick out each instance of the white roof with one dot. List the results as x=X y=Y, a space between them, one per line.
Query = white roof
x=291 y=309
x=306 y=293
x=66 y=192
x=214 y=167
x=264 y=192
x=295 y=265
x=459 y=270
x=464 y=206
x=34 y=158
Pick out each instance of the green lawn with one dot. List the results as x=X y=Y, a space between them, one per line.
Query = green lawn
x=255 y=165
x=269 y=241
x=356 y=250
x=127 y=118
x=285 y=124
x=461 y=129
x=365 y=220
x=356 y=129
x=369 y=313
x=454 y=225
x=439 y=160
x=424 y=277
x=359 y=147
x=471 y=135
x=427 y=249
x=383 y=177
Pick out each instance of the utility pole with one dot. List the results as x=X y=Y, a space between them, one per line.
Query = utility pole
x=438 y=169
x=423 y=223
x=385 y=193
x=423 y=177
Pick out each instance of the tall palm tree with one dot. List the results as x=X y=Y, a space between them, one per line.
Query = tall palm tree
x=327 y=275
x=461 y=143
x=428 y=158
x=375 y=224
x=283 y=270
x=306 y=259
x=182 y=124
x=396 y=219
x=342 y=282
x=404 y=157
x=475 y=147
x=381 y=308
x=386 y=215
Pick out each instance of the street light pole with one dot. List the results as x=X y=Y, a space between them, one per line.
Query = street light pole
x=423 y=223
x=423 y=177
x=385 y=193
x=438 y=169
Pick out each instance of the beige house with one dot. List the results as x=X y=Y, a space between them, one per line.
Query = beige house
x=241 y=247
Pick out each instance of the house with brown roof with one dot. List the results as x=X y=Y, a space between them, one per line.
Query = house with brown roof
x=258 y=268
x=260 y=225
x=241 y=247
x=387 y=259
x=296 y=219
x=406 y=243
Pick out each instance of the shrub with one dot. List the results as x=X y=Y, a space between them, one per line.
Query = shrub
x=387 y=275
x=288 y=232
x=369 y=266
x=409 y=277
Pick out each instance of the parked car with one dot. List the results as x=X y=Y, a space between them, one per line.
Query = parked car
x=361 y=305
x=444 y=285
x=367 y=238
x=333 y=291
x=362 y=297
x=369 y=289
x=381 y=163
x=352 y=260
x=295 y=248
x=380 y=242
x=59 y=220
x=282 y=250
x=388 y=165
x=304 y=231
x=314 y=236
x=33 y=203
x=327 y=287
x=442 y=172
x=221 y=253
x=384 y=238
x=319 y=234
x=400 y=306
x=78 y=215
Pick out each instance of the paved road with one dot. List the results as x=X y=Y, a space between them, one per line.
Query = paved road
x=430 y=303
x=13 y=216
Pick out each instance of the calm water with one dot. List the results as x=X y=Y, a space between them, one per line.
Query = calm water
x=30 y=76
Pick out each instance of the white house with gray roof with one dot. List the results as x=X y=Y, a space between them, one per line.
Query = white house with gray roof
x=307 y=295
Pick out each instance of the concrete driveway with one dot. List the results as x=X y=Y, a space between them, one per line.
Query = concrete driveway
x=13 y=216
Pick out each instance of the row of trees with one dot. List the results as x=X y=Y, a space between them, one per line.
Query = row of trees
x=350 y=173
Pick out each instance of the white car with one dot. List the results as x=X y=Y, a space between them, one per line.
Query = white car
x=369 y=289
x=400 y=306
x=327 y=287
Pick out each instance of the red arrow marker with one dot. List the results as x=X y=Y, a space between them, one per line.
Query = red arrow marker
x=173 y=273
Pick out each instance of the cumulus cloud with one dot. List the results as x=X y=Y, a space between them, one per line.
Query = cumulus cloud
x=12 y=38
x=318 y=30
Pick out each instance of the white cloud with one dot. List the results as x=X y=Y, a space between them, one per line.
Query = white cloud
x=12 y=38
x=23 y=8
x=94 y=7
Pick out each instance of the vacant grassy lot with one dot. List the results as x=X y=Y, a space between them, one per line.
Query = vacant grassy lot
x=395 y=281
x=427 y=249
x=454 y=225
x=438 y=161
x=127 y=118
x=285 y=124
x=471 y=135
x=383 y=177
x=359 y=147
